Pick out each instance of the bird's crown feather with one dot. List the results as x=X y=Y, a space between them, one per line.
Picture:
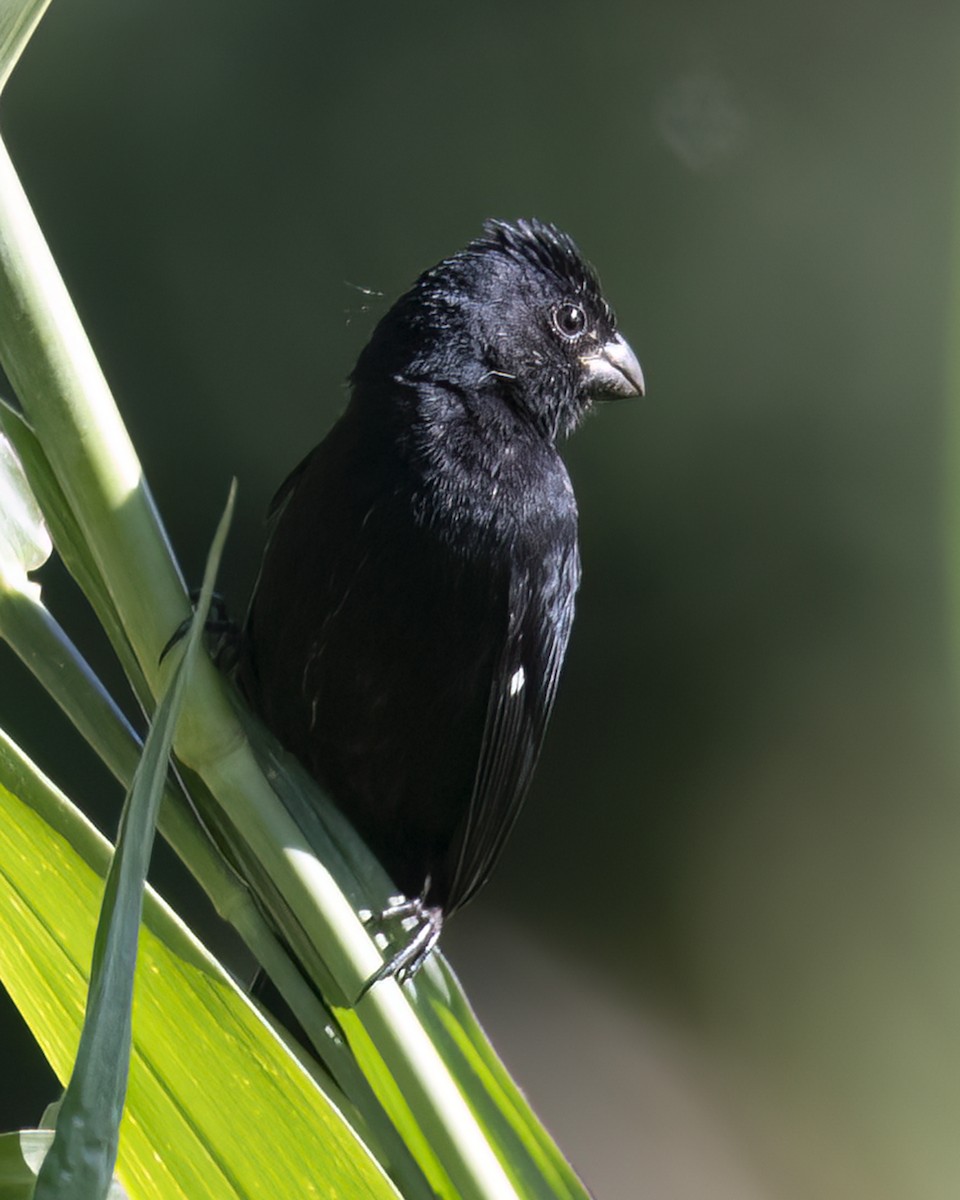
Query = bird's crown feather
x=543 y=246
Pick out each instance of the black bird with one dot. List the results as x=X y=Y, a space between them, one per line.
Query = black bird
x=413 y=607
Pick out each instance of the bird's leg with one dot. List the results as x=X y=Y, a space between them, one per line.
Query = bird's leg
x=424 y=934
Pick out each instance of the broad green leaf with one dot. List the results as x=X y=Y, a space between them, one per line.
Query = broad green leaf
x=216 y=1106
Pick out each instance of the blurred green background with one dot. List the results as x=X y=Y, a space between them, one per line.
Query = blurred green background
x=722 y=951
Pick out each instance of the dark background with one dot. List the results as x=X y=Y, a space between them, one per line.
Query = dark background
x=722 y=951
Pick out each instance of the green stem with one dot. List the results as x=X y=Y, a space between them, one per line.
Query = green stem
x=52 y=367
x=51 y=364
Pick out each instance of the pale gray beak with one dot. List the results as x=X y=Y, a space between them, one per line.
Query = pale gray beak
x=613 y=371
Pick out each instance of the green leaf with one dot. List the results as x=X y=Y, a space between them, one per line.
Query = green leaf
x=530 y=1156
x=21 y=1155
x=69 y=540
x=18 y=19
x=24 y=539
x=81 y=1160
x=216 y=1106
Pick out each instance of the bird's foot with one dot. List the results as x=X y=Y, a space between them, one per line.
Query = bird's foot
x=422 y=923
x=224 y=633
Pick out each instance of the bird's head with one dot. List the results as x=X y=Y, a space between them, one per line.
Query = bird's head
x=518 y=317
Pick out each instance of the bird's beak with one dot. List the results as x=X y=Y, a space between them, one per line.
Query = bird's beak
x=613 y=371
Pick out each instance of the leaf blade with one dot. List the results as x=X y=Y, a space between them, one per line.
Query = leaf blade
x=257 y=1124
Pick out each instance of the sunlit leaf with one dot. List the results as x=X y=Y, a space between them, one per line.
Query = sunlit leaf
x=216 y=1106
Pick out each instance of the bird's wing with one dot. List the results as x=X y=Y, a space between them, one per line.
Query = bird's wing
x=520 y=701
x=284 y=493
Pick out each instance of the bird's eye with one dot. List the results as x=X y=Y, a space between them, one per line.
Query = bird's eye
x=569 y=320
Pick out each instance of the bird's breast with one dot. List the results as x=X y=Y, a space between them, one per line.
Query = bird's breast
x=481 y=487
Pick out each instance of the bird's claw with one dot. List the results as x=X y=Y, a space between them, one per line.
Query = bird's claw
x=218 y=624
x=408 y=960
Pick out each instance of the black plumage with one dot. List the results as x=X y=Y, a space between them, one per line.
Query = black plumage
x=409 y=623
